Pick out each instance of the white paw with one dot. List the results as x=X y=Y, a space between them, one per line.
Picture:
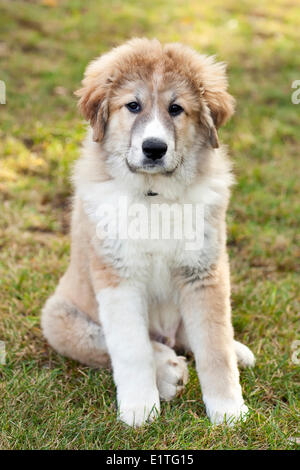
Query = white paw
x=226 y=411
x=171 y=372
x=244 y=355
x=140 y=412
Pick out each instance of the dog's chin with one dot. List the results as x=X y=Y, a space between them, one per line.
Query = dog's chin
x=154 y=169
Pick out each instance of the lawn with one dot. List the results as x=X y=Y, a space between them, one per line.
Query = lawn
x=49 y=402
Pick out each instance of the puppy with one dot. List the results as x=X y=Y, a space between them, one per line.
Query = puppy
x=131 y=301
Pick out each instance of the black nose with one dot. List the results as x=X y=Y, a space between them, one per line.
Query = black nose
x=154 y=148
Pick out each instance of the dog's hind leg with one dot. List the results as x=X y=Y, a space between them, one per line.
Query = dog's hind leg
x=71 y=333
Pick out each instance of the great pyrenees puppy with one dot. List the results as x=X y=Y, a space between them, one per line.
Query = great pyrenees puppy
x=149 y=272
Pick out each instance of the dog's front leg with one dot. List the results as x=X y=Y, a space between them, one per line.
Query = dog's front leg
x=205 y=305
x=123 y=314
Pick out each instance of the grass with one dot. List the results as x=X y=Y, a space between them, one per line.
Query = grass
x=50 y=402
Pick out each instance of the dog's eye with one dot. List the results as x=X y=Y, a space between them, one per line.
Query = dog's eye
x=175 y=109
x=134 y=107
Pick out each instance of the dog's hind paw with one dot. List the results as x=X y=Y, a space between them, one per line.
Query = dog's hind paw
x=171 y=372
x=244 y=355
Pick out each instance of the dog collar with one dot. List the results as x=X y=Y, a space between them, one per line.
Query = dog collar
x=151 y=193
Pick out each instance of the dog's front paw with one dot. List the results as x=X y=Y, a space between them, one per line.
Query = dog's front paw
x=140 y=411
x=226 y=411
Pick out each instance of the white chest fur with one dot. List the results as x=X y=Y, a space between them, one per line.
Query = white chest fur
x=146 y=261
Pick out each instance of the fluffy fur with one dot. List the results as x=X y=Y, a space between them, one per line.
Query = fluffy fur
x=132 y=303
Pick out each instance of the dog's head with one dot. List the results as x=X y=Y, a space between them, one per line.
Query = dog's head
x=154 y=108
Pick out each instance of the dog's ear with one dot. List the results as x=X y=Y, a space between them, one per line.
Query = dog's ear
x=217 y=103
x=221 y=106
x=217 y=108
x=208 y=124
x=93 y=97
x=95 y=110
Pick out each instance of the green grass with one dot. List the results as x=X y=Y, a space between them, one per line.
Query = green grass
x=50 y=402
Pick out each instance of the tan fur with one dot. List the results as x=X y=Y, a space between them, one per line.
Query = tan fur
x=213 y=294
x=102 y=274
x=87 y=272
x=138 y=60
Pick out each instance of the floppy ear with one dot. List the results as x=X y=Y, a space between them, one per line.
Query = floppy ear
x=221 y=105
x=93 y=98
x=209 y=125
x=217 y=103
x=217 y=108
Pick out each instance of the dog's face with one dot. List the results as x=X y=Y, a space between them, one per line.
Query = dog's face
x=153 y=109
x=152 y=125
